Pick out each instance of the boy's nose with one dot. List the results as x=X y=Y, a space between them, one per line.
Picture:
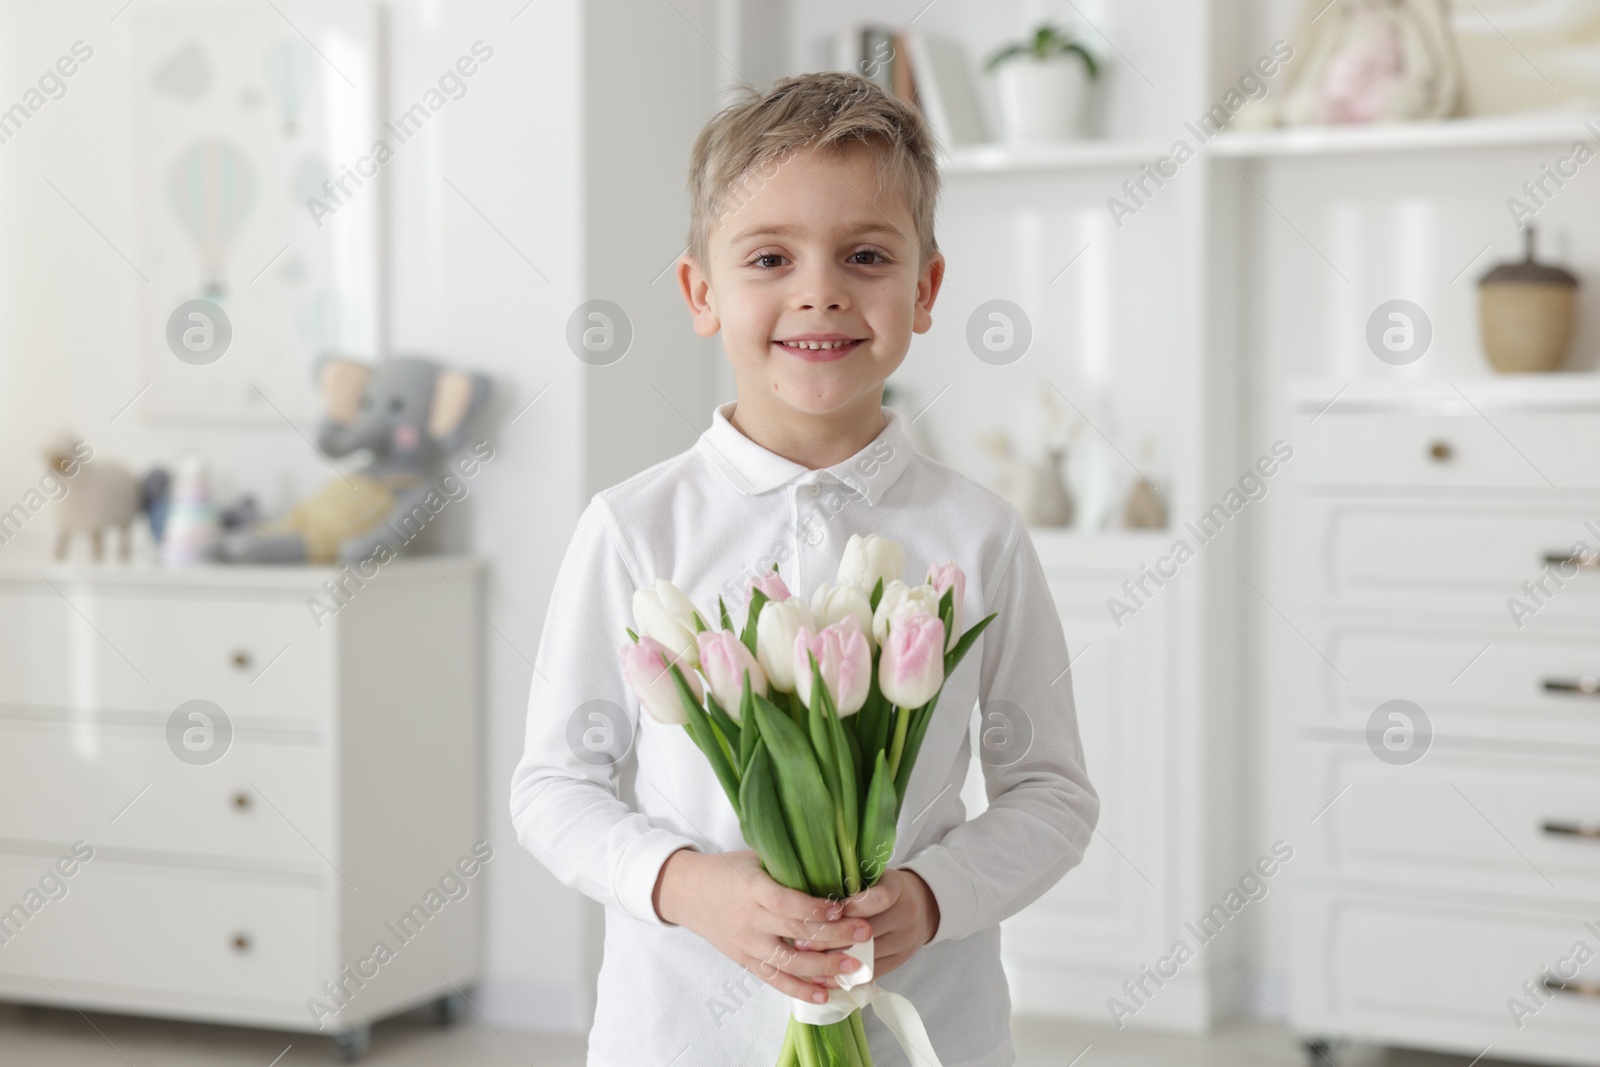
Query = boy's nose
x=821 y=287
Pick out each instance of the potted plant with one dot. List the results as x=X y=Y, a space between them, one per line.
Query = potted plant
x=1043 y=84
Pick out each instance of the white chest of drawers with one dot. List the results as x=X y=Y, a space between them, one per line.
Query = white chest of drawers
x=245 y=865
x=1451 y=900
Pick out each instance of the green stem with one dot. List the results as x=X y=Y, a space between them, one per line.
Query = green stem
x=857 y=1028
x=902 y=718
x=847 y=1041
x=806 y=1046
x=847 y=854
x=789 y=1055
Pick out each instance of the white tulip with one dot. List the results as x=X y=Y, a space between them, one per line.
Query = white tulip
x=866 y=559
x=898 y=597
x=661 y=611
x=776 y=627
x=830 y=603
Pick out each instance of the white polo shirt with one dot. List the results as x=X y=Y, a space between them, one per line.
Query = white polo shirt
x=603 y=793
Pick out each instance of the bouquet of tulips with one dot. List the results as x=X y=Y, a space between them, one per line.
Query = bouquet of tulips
x=811 y=716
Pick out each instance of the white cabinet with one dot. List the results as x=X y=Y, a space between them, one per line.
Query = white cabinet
x=1071 y=951
x=246 y=854
x=1449 y=893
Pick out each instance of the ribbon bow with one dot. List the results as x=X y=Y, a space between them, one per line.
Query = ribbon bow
x=858 y=989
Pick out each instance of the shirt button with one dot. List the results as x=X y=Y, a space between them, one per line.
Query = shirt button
x=812 y=490
x=814 y=537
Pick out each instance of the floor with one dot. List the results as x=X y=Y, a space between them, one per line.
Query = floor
x=32 y=1037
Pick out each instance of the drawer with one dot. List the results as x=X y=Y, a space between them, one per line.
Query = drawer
x=198 y=935
x=1428 y=971
x=1486 y=822
x=1478 y=682
x=1447 y=557
x=262 y=801
x=136 y=649
x=1450 y=448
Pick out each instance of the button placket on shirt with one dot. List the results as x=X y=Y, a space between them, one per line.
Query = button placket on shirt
x=811 y=523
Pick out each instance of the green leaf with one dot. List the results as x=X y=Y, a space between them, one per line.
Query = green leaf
x=877 y=595
x=821 y=736
x=705 y=736
x=761 y=820
x=952 y=659
x=878 y=822
x=757 y=599
x=631 y=634
x=804 y=796
x=748 y=731
x=729 y=729
x=722 y=610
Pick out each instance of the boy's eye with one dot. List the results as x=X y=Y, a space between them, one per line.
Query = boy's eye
x=870 y=252
x=765 y=255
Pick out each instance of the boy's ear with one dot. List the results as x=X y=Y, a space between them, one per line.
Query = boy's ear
x=695 y=285
x=928 y=283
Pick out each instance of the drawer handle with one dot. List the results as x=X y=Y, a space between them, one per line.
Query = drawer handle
x=241 y=800
x=1441 y=452
x=241 y=660
x=1582 y=989
x=1575 y=558
x=1587 y=686
x=241 y=943
x=1590 y=830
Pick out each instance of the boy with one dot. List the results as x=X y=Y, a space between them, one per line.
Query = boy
x=812 y=253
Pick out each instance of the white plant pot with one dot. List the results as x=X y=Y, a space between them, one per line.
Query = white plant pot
x=1043 y=100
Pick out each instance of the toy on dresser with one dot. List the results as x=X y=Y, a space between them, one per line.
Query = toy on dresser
x=410 y=414
x=97 y=495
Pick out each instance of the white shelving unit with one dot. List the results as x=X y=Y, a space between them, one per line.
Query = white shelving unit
x=1209 y=321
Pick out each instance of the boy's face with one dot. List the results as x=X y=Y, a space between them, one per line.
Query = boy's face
x=814 y=253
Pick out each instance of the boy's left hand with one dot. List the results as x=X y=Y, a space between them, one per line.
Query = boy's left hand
x=903 y=915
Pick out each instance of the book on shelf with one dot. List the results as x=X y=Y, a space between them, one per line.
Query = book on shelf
x=932 y=73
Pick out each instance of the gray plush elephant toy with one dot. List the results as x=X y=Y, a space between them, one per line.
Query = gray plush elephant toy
x=410 y=413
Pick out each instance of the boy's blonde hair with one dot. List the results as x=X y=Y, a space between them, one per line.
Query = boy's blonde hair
x=743 y=145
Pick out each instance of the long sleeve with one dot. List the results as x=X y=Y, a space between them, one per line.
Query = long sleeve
x=564 y=801
x=1042 y=808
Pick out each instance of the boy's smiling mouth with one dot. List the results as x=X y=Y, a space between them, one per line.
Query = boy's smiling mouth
x=820 y=347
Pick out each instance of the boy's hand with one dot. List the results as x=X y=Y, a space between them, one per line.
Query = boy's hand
x=730 y=901
x=904 y=915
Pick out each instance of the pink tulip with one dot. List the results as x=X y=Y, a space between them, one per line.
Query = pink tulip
x=645 y=666
x=845 y=658
x=770 y=584
x=911 y=669
x=725 y=661
x=942 y=577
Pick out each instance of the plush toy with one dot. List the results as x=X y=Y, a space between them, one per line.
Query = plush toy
x=409 y=413
x=98 y=494
x=1373 y=61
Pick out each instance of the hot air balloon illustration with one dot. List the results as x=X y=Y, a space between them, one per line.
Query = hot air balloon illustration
x=211 y=187
x=288 y=72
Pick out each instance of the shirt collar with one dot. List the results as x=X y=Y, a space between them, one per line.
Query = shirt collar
x=753 y=469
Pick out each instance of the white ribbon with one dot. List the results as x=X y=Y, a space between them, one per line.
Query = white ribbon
x=856 y=990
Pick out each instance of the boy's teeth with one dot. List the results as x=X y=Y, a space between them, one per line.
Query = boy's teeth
x=814 y=344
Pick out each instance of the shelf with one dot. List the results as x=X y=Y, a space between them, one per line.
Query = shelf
x=1087 y=154
x=1577 y=391
x=1554 y=128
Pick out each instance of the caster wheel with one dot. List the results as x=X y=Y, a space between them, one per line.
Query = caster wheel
x=1319 y=1053
x=449 y=1009
x=353 y=1043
